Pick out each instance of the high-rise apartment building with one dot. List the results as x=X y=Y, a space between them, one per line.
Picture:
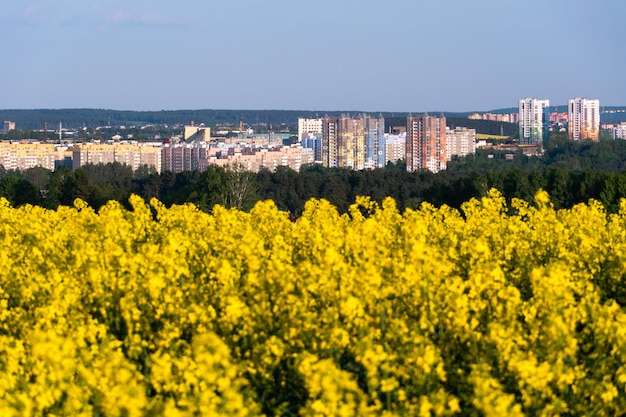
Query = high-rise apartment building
x=330 y=132
x=583 y=119
x=352 y=142
x=534 y=120
x=374 y=145
x=426 y=143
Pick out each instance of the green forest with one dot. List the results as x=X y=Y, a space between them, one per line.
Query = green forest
x=571 y=172
x=79 y=118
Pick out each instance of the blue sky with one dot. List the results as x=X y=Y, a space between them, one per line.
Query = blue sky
x=392 y=55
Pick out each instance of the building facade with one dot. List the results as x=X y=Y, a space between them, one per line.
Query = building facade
x=133 y=155
x=352 y=142
x=330 y=128
x=534 y=121
x=310 y=136
x=394 y=146
x=583 y=119
x=426 y=143
x=461 y=141
x=293 y=157
x=619 y=131
x=22 y=156
x=496 y=117
x=179 y=157
x=313 y=141
x=374 y=146
x=193 y=133
x=309 y=128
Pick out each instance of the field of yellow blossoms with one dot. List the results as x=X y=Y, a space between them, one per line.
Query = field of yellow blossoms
x=497 y=310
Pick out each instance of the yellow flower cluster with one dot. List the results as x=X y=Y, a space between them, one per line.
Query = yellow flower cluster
x=497 y=309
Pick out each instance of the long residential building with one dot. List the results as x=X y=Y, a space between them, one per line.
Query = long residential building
x=534 y=121
x=495 y=117
x=293 y=157
x=583 y=119
x=426 y=143
x=25 y=155
x=133 y=155
x=176 y=157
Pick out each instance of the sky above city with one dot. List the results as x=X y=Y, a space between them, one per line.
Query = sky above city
x=392 y=55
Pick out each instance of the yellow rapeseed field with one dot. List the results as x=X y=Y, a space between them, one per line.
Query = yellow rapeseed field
x=497 y=310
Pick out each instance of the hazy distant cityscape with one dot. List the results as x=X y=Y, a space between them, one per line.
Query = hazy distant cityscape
x=356 y=141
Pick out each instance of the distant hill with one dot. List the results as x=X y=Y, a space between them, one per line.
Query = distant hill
x=77 y=118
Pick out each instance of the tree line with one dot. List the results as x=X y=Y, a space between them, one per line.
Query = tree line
x=78 y=118
x=571 y=172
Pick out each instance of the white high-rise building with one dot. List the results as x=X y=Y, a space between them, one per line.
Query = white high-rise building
x=583 y=119
x=309 y=127
x=534 y=119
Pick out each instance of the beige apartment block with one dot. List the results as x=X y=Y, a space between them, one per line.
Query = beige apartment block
x=309 y=126
x=256 y=159
x=460 y=141
x=133 y=155
x=24 y=155
x=395 y=146
x=196 y=133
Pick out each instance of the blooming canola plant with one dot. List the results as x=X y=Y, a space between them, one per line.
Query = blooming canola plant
x=497 y=309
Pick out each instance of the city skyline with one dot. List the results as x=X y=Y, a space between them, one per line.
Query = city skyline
x=369 y=56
